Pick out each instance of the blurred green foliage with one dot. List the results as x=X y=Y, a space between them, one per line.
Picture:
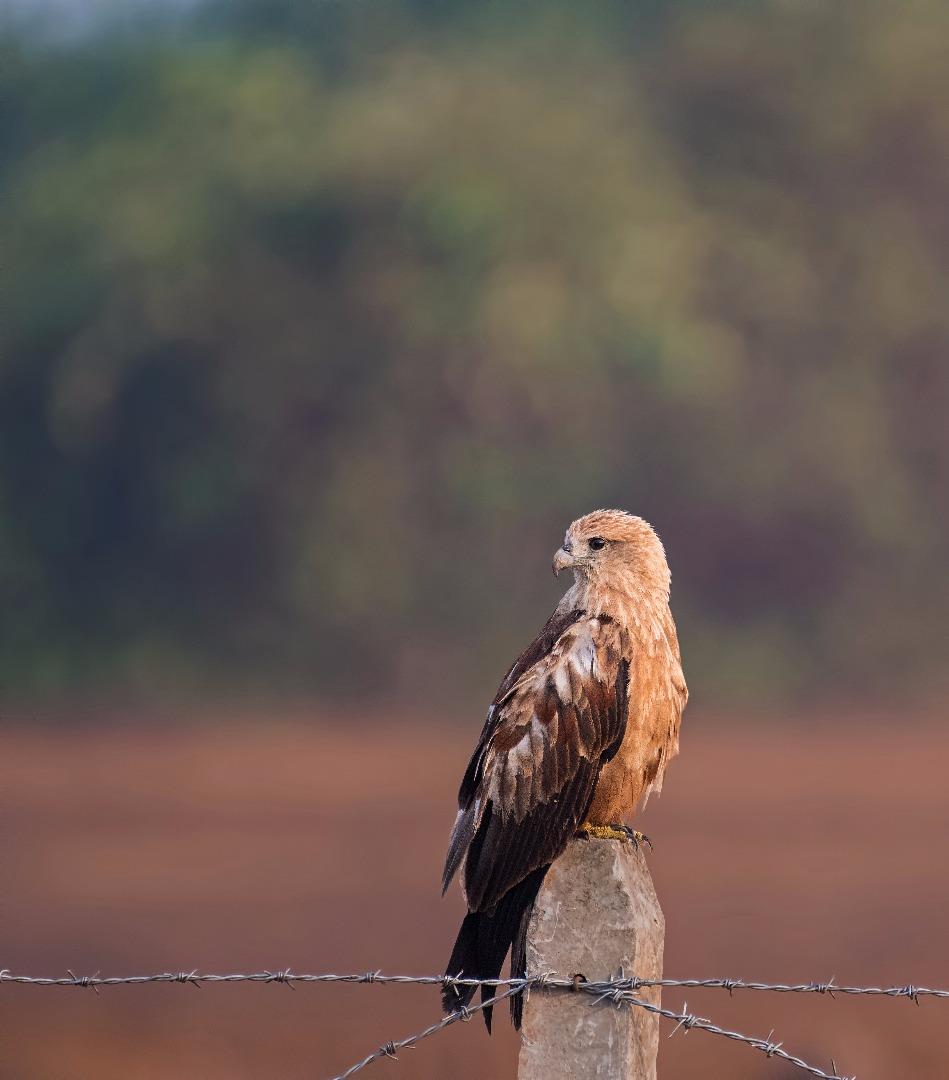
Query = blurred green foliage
x=321 y=321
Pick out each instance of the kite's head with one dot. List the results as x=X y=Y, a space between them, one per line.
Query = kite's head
x=609 y=546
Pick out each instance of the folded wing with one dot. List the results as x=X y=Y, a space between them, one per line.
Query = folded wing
x=558 y=717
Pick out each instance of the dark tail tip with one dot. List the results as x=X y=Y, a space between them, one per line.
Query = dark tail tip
x=463 y=963
x=482 y=943
x=519 y=963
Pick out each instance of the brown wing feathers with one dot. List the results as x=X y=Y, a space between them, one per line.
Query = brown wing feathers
x=540 y=647
x=557 y=717
x=469 y=807
x=529 y=826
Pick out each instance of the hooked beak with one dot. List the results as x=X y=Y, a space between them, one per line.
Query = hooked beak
x=563 y=559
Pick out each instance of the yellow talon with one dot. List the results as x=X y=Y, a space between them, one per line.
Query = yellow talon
x=622 y=833
x=603 y=832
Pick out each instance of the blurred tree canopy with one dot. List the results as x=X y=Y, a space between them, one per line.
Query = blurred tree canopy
x=321 y=321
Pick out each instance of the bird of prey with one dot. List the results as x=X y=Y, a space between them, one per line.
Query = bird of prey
x=579 y=733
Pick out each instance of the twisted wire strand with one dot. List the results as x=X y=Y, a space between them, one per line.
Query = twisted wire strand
x=289 y=978
x=615 y=995
x=391 y=1049
x=686 y=1021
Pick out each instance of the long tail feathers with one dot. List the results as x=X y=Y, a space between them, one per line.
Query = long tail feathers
x=519 y=962
x=483 y=941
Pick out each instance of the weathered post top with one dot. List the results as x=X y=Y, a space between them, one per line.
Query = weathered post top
x=596 y=912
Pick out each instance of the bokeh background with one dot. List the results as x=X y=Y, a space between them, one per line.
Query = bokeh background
x=320 y=321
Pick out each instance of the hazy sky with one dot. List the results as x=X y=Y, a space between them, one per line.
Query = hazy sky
x=59 y=18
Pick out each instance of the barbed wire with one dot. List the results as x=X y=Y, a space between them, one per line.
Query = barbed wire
x=686 y=1021
x=465 y=1013
x=619 y=982
x=620 y=990
x=616 y=995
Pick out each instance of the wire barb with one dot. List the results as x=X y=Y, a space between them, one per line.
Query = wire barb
x=84 y=981
x=286 y=977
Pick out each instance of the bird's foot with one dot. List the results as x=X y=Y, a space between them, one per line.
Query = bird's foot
x=622 y=833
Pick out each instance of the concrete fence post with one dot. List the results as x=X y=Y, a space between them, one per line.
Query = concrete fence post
x=597 y=912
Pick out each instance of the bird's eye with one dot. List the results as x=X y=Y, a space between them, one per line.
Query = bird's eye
x=597 y=542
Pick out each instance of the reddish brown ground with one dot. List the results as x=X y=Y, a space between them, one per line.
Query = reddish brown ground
x=782 y=853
